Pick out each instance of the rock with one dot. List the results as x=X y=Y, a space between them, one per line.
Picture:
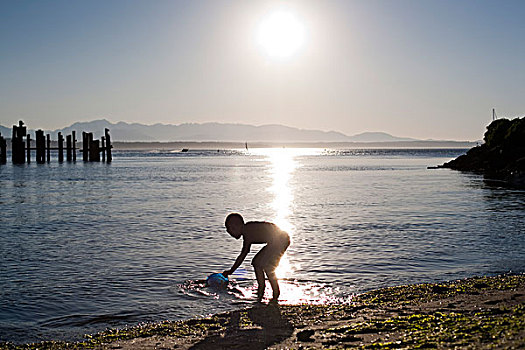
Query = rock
x=501 y=157
x=305 y=335
x=440 y=289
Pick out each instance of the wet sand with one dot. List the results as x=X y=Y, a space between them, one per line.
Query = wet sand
x=475 y=313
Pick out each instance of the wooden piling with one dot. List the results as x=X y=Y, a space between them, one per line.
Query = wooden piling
x=103 y=147
x=3 y=150
x=90 y=145
x=17 y=141
x=60 y=147
x=40 y=147
x=38 y=143
x=48 y=147
x=28 y=148
x=69 y=148
x=73 y=137
x=108 y=147
x=94 y=149
x=85 y=146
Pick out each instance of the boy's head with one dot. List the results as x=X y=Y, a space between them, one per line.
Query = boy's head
x=234 y=225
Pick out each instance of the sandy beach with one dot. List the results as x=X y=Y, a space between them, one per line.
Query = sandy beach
x=479 y=312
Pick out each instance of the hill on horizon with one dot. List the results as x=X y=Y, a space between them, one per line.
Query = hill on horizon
x=222 y=132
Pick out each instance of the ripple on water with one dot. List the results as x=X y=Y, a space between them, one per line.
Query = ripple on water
x=244 y=291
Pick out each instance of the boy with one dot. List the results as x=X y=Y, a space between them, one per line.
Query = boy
x=267 y=259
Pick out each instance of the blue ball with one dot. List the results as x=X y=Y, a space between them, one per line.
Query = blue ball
x=217 y=280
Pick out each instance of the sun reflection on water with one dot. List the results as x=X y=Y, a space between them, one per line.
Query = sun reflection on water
x=283 y=163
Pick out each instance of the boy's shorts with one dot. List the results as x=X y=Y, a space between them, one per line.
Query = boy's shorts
x=269 y=257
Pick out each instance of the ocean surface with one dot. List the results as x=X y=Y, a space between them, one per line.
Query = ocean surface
x=87 y=246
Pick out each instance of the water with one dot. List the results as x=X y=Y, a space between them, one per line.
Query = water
x=88 y=246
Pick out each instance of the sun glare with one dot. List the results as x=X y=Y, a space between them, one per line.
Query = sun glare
x=280 y=34
x=283 y=163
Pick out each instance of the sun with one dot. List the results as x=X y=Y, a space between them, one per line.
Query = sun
x=280 y=34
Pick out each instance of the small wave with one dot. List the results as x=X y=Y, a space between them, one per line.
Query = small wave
x=81 y=320
x=293 y=291
x=396 y=152
x=199 y=289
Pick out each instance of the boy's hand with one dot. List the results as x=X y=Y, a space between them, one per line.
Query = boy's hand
x=226 y=273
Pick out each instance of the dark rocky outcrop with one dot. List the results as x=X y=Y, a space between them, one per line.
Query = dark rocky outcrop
x=501 y=156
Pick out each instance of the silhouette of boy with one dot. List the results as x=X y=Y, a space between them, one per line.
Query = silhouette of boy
x=267 y=259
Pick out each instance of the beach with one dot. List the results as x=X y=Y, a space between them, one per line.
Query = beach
x=473 y=313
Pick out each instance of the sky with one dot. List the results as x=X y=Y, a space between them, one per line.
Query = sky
x=412 y=68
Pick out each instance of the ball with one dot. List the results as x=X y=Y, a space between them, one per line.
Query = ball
x=217 y=280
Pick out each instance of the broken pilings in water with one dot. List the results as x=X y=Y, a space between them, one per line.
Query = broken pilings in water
x=92 y=149
x=22 y=145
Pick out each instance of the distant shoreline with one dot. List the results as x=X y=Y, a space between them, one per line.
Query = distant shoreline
x=220 y=145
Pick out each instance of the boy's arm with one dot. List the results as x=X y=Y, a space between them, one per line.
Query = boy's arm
x=245 y=250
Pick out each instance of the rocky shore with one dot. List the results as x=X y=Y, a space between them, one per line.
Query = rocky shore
x=475 y=313
x=501 y=156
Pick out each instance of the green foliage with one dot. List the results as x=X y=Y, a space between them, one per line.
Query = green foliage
x=506 y=133
x=515 y=137
x=496 y=132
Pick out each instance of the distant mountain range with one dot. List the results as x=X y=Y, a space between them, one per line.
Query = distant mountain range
x=216 y=135
x=221 y=132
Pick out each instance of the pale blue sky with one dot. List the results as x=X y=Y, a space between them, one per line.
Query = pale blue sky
x=424 y=69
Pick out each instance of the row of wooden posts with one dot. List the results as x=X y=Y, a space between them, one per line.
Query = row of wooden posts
x=21 y=149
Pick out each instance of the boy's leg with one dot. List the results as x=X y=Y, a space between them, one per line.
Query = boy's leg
x=273 y=261
x=259 y=260
x=274 y=283
x=261 y=284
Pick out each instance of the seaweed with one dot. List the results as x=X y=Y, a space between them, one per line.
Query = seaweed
x=381 y=319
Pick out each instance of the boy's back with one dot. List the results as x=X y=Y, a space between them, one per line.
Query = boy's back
x=260 y=232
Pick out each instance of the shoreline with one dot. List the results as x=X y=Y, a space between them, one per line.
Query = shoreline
x=224 y=145
x=227 y=145
x=478 y=312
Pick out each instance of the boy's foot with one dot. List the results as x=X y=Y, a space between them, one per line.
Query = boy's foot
x=260 y=294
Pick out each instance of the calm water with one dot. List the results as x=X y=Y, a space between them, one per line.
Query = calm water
x=87 y=246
